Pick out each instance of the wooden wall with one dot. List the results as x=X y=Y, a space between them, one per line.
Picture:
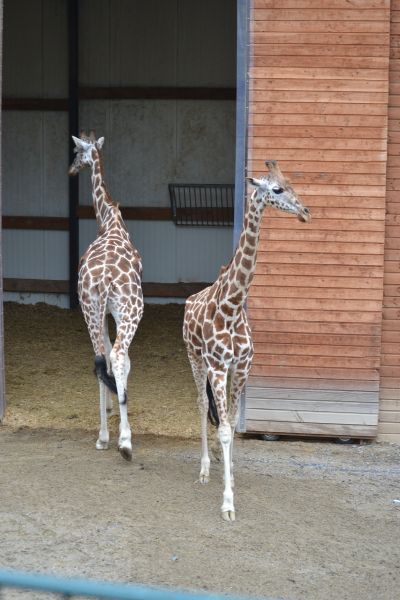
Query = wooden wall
x=389 y=414
x=318 y=104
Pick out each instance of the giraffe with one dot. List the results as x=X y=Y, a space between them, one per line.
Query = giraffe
x=109 y=281
x=216 y=331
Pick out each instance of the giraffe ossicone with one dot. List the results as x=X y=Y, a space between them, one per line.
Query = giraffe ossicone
x=109 y=281
x=216 y=330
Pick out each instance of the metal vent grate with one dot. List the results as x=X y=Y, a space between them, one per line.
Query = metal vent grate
x=198 y=204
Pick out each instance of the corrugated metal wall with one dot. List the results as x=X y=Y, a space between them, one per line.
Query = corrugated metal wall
x=318 y=104
x=389 y=413
x=149 y=143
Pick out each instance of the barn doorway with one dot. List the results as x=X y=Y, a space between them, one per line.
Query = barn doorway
x=158 y=80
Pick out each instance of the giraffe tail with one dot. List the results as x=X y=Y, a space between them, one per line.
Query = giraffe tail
x=212 y=408
x=100 y=369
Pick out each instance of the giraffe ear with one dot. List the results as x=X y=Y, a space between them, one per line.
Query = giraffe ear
x=99 y=143
x=253 y=181
x=80 y=144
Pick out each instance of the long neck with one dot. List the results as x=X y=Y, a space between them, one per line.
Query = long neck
x=101 y=198
x=239 y=274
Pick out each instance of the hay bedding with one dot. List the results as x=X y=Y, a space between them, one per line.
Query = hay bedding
x=50 y=381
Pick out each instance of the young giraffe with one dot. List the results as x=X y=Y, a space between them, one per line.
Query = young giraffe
x=216 y=330
x=109 y=282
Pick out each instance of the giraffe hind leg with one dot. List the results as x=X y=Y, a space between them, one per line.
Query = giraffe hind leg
x=200 y=378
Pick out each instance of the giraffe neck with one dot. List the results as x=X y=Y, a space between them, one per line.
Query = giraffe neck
x=101 y=199
x=240 y=271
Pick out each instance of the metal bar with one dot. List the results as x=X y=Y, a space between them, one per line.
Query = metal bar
x=84 y=587
x=242 y=68
x=73 y=128
x=2 y=377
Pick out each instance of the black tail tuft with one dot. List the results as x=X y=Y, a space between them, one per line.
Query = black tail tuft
x=212 y=408
x=100 y=370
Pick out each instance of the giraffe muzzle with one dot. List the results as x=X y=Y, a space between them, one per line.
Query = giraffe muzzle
x=304 y=215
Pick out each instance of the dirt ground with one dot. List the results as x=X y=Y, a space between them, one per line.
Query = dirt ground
x=315 y=520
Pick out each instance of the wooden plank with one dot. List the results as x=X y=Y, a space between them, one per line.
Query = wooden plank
x=313 y=349
x=390 y=336
x=319 y=339
x=256 y=396
x=392 y=438
x=143 y=213
x=322 y=131
x=56 y=104
x=385 y=428
x=336 y=275
x=321 y=4
x=317 y=50
x=315 y=383
x=295 y=96
x=299 y=416
x=322 y=304
x=299 y=407
x=45 y=286
x=366 y=145
x=260 y=291
x=326 y=361
x=312 y=327
x=320 y=235
x=314 y=372
x=346 y=15
x=390 y=405
x=41 y=223
x=310 y=429
x=156 y=93
x=334 y=39
x=390 y=416
x=308 y=258
x=327 y=247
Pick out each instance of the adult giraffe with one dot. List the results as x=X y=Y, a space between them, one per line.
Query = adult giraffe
x=109 y=282
x=216 y=331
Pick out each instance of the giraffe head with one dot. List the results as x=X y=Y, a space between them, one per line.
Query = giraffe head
x=274 y=190
x=84 y=146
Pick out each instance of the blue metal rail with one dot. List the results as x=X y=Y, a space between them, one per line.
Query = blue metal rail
x=93 y=589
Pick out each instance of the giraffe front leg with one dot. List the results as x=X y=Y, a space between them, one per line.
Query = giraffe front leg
x=225 y=437
x=120 y=366
x=218 y=380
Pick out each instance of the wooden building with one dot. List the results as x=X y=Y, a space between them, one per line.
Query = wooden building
x=325 y=304
x=204 y=92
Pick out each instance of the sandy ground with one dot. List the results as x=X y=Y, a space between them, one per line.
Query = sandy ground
x=315 y=520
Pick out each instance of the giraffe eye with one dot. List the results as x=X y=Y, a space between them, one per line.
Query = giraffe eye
x=278 y=190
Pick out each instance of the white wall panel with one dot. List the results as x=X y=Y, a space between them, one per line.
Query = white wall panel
x=152 y=143
x=171 y=253
x=35 y=48
x=35 y=163
x=35 y=254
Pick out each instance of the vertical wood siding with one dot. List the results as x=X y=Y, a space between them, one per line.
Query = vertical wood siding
x=389 y=414
x=318 y=105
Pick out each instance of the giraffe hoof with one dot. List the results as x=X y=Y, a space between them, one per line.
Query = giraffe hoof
x=228 y=515
x=125 y=452
x=101 y=445
x=204 y=478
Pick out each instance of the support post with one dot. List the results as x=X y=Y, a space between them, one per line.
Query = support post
x=242 y=67
x=2 y=375
x=73 y=129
